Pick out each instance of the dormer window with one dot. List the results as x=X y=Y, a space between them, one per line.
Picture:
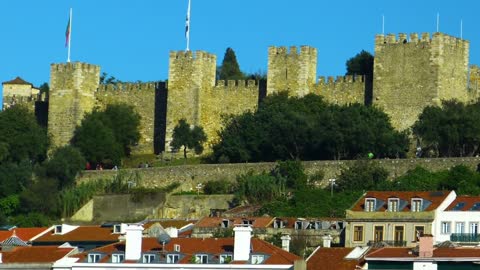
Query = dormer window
x=417 y=205
x=393 y=204
x=58 y=229
x=176 y=248
x=257 y=259
x=278 y=224
x=117 y=228
x=93 y=258
x=201 y=258
x=247 y=222
x=173 y=258
x=118 y=258
x=148 y=258
x=370 y=204
x=298 y=225
x=225 y=223
x=226 y=258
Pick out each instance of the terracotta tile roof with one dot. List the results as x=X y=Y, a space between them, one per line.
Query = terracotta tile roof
x=176 y=223
x=81 y=234
x=465 y=203
x=25 y=234
x=332 y=258
x=444 y=252
x=192 y=246
x=215 y=222
x=289 y=222
x=47 y=254
x=435 y=198
x=17 y=80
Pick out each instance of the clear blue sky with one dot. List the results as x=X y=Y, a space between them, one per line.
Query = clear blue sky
x=131 y=40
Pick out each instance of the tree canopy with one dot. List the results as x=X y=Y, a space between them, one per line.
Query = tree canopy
x=307 y=128
x=450 y=130
x=361 y=64
x=230 y=70
x=188 y=138
x=105 y=137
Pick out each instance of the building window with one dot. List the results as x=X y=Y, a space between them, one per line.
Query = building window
x=58 y=229
x=257 y=259
x=446 y=227
x=225 y=223
x=247 y=222
x=148 y=258
x=378 y=234
x=460 y=227
x=393 y=205
x=117 y=258
x=370 y=205
x=173 y=258
x=474 y=227
x=226 y=258
x=201 y=258
x=358 y=233
x=93 y=258
x=117 y=228
x=399 y=232
x=277 y=224
x=419 y=230
x=416 y=205
x=298 y=225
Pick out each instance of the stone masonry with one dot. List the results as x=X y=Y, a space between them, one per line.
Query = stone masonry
x=409 y=74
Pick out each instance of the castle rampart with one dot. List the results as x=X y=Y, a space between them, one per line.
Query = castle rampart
x=72 y=89
x=341 y=90
x=291 y=70
x=412 y=74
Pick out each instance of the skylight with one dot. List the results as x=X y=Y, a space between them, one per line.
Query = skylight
x=475 y=207
x=459 y=206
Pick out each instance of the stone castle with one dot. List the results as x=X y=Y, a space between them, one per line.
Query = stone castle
x=410 y=73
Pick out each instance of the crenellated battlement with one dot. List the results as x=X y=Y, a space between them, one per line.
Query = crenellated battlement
x=65 y=67
x=192 y=55
x=359 y=79
x=128 y=87
x=237 y=84
x=292 y=50
x=403 y=38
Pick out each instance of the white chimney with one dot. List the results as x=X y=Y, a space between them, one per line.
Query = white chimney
x=327 y=241
x=241 y=246
x=1 y=259
x=286 y=242
x=133 y=242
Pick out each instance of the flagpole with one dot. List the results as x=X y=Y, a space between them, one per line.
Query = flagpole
x=69 y=36
x=438 y=21
x=187 y=27
x=383 y=24
x=461 y=29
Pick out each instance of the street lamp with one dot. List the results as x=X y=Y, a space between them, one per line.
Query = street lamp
x=332 y=183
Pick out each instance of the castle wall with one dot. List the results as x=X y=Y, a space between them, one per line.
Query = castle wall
x=72 y=89
x=142 y=97
x=412 y=74
x=191 y=75
x=291 y=71
x=342 y=90
x=227 y=97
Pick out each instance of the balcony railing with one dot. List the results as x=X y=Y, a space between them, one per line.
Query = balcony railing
x=465 y=237
x=387 y=243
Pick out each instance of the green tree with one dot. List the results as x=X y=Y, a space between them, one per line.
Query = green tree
x=293 y=172
x=64 y=165
x=14 y=177
x=258 y=188
x=450 y=130
x=125 y=123
x=21 y=138
x=361 y=64
x=363 y=175
x=230 y=70
x=41 y=196
x=44 y=88
x=188 y=138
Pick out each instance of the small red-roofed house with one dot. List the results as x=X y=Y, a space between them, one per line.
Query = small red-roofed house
x=460 y=222
x=29 y=257
x=337 y=258
x=137 y=252
x=394 y=218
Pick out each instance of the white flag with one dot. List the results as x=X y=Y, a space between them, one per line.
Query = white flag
x=187 y=22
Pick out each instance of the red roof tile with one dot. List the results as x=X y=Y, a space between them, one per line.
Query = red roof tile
x=192 y=246
x=468 y=203
x=435 y=197
x=215 y=222
x=17 y=80
x=29 y=254
x=444 y=252
x=81 y=234
x=332 y=258
x=25 y=234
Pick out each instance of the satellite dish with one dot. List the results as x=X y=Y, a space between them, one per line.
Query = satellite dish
x=163 y=238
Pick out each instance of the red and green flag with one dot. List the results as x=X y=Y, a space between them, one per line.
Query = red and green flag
x=67 y=33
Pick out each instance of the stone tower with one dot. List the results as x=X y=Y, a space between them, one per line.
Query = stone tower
x=191 y=75
x=72 y=94
x=410 y=74
x=292 y=71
